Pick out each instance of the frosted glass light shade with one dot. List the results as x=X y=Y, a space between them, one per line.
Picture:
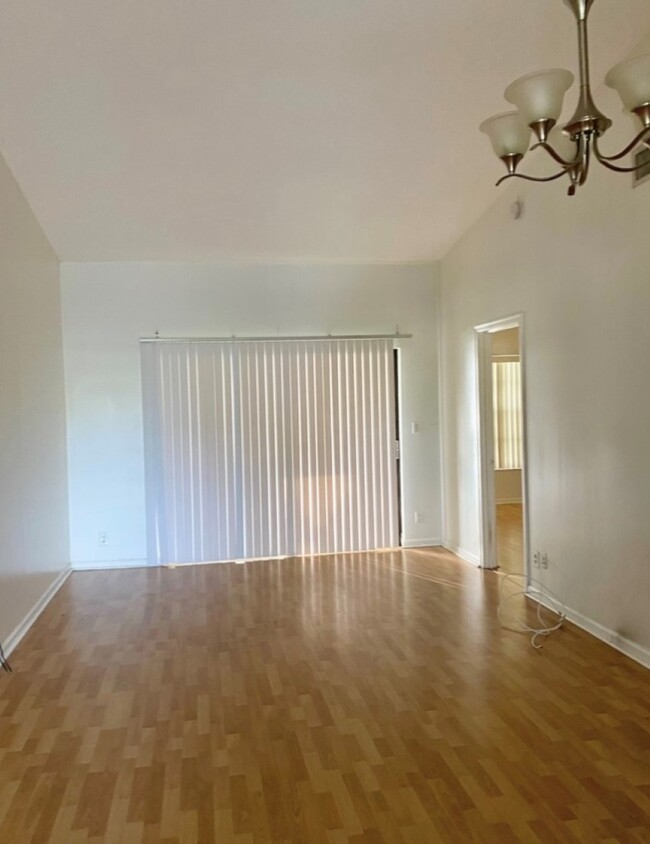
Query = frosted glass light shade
x=631 y=80
x=508 y=133
x=562 y=144
x=540 y=95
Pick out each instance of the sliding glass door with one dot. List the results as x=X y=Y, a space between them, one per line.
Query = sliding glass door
x=265 y=449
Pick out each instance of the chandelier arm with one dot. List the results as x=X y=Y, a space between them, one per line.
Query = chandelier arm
x=606 y=162
x=549 y=149
x=531 y=178
x=645 y=132
x=621 y=169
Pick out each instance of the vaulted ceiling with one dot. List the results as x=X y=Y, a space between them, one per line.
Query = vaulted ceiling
x=333 y=130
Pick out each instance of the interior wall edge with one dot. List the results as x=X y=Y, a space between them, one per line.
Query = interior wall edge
x=610 y=637
x=463 y=553
x=33 y=457
x=422 y=543
x=95 y=565
x=23 y=627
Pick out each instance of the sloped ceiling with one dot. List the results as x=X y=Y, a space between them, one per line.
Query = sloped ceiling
x=316 y=130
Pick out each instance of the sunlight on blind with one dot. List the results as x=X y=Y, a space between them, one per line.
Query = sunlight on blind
x=506 y=380
x=264 y=449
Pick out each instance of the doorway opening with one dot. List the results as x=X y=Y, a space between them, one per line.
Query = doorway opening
x=502 y=425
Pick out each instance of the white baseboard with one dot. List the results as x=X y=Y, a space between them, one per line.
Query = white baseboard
x=462 y=553
x=509 y=501
x=14 y=638
x=620 y=643
x=421 y=543
x=100 y=565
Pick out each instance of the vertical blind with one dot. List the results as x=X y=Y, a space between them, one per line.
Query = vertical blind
x=264 y=449
x=506 y=380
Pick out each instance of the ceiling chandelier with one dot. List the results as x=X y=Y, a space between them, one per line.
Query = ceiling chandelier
x=538 y=98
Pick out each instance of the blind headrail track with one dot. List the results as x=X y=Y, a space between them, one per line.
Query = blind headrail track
x=233 y=338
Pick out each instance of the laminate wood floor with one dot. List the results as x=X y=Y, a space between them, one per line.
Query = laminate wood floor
x=359 y=698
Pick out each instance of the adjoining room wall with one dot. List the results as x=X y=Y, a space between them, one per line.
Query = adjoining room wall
x=109 y=306
x=505 y=342
x=507 y=486
x=33 y=484
x=578 y=269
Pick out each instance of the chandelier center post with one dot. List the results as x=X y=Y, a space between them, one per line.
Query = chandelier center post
x=580 y=8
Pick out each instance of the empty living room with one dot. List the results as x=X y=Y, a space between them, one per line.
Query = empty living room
x=324 y=433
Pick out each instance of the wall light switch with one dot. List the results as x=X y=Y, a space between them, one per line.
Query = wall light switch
x=415 y=427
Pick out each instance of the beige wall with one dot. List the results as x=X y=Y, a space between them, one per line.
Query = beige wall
x=33 y=484
x=579 y=270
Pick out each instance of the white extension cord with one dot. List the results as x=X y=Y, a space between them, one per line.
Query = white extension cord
x=534 y=589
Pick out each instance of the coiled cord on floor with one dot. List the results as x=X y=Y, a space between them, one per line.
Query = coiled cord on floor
x=535 y=589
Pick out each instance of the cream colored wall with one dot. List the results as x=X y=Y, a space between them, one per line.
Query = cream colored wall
x=33 y=474
x=579 y=270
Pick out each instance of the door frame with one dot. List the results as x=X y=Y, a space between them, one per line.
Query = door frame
x=487 y=503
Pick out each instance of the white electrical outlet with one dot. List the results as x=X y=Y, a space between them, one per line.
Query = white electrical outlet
x=536 y=556
x=418 y=517
x=544 y=560
x=103 y=538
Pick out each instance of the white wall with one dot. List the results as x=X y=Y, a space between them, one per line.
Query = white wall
x=109 y=306
x=33 y=492
x=579 y=270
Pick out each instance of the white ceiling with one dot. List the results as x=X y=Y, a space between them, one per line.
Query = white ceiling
x=333 y=130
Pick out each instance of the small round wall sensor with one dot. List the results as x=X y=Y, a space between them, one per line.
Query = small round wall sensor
x=517 y=209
